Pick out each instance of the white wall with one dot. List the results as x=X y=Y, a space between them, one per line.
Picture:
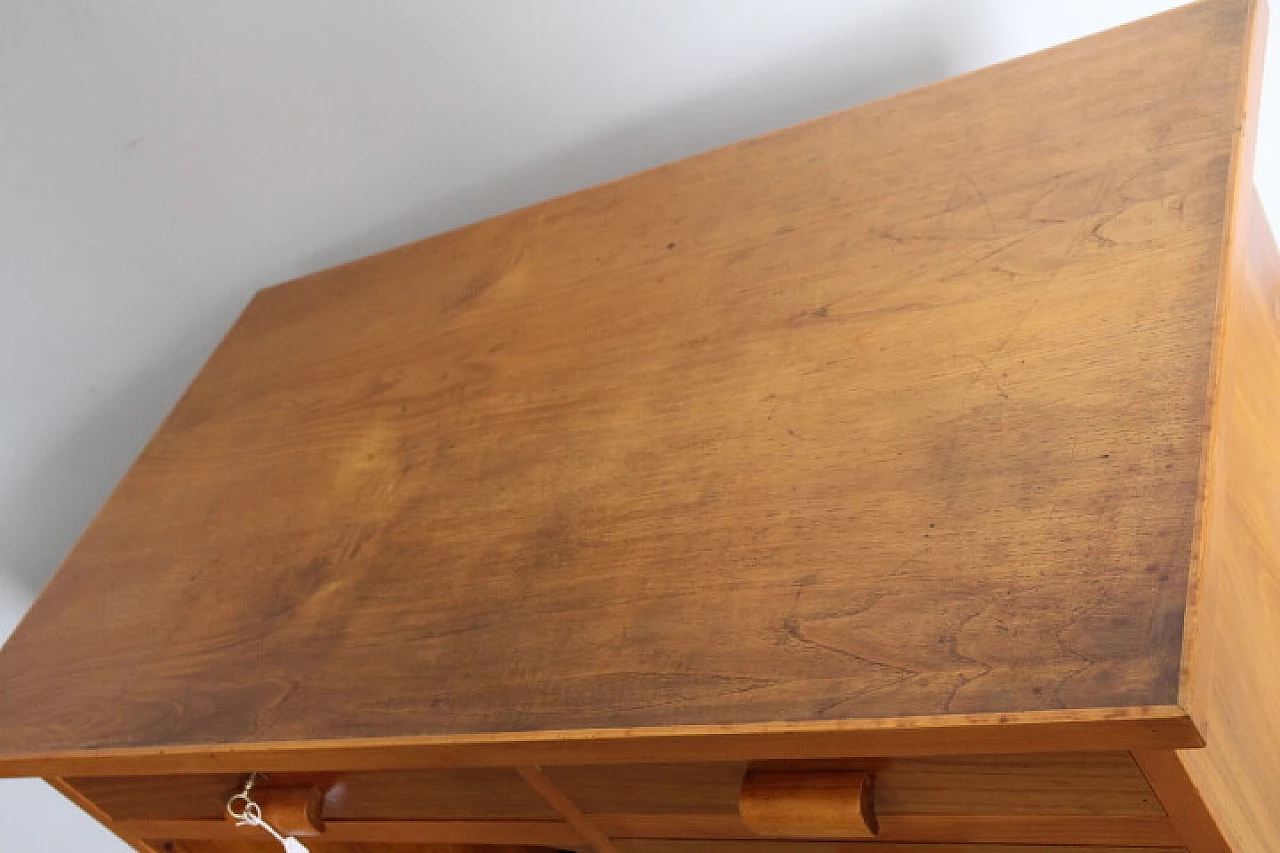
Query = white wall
x=162 y=159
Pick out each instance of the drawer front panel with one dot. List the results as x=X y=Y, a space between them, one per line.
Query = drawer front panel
x=665 y=846
x=345 y=847
x=656 y=846
x=489 y=793
x=1083 y=784
x=1086 y=799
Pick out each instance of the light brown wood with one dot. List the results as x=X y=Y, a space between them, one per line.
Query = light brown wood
x=446 y=794
x=1234 y=677
x=1183 y=802
x=1072 y=783
x=295 y=810
x=1231 y=671
x=269 y=846
x=568 y=809
x=1088 y=830
x=669 y=846
x=926 y=829
x=539 y=833
x=808 y=804
x=934 y=441
x=1202 y=614
x=91 y=808
x=1163 y=727
x=897 y=413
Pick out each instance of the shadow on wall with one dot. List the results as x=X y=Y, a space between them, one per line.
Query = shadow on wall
x=43 y=515
x=913 y=45
x=918 y=43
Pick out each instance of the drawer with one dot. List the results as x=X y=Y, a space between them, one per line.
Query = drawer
x=1088 y=798
x=1102 y=784
x=657 y=845
x=1095 y=799
x=665 y=846
x=482 y=793
x=338 y=847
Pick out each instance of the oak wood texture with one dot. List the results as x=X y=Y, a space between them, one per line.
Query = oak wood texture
x=898 y=413
x=1234 y=677
x=808 y=804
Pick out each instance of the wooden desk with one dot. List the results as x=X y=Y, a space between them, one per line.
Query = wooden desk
x=934 y=444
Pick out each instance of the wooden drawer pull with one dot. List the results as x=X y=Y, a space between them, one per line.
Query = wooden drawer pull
x=296 y=810
x=823 y=804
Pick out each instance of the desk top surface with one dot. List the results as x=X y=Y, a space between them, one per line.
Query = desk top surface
x=895 y=413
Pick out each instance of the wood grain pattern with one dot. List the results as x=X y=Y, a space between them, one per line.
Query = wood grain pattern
x=922 y=829
x=496 y=832
x=1072 y=784
x=296 y=811
x=926 y=829
x=667 y=846
x=1234 y=677
x=1182 y=802
x=808 y=804
x=895 y=413
x=91 y=808
x=568 y=809
x=270 y=846
x=1146 y=727
x=447 y=794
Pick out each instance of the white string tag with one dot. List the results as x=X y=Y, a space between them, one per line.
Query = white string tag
x=251 y=815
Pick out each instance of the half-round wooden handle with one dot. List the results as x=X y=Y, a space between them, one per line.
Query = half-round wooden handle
x=292 y=810
x=808 y=804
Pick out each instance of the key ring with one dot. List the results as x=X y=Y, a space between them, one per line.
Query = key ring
x=250 y=814
x=250 y=807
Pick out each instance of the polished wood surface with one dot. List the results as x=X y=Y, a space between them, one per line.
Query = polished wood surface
x=1054 y=798
x=895 y=413
x=1072 y=784
x=498 y=832
x=650 y=846
x=296 y=810
x=1235 y=674
x=911 y=472
x=1074 y=798
x=1087 y=830
x=1231 y=671
x=1090 y=830
x=808 y=804
x=568 y=809
x=97 y=813
x=1139 y=727
x=1182 y=801
x=453 y=794
x=270 y=846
